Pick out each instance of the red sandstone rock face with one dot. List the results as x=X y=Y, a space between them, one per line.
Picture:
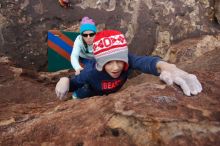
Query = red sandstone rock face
x=145 y=112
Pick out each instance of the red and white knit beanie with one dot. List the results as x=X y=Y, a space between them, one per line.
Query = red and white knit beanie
x=109 y=45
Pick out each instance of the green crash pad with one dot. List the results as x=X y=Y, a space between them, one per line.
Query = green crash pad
x=60 y=45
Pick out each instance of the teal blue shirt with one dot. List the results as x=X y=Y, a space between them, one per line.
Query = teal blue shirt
x=79 y=50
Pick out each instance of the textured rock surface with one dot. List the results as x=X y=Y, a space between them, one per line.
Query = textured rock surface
x=190 y=49
x=145 y=112
x=152 y=24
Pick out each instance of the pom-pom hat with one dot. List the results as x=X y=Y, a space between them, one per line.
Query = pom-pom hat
x=87 y=24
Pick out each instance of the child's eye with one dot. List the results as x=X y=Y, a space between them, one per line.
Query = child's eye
x=109 y=62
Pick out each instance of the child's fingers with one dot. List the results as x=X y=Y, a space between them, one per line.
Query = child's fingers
x=166 y=77
x=179 y=81
x=193 y=83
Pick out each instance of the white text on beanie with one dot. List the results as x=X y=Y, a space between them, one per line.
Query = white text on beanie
x=109 y=45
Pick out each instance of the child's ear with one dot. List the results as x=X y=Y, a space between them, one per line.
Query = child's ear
x=126 y=66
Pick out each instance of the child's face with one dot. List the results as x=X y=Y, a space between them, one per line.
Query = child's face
x=88 y=36
x=114 y=68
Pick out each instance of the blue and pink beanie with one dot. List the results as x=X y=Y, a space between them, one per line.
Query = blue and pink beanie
x=87 y=24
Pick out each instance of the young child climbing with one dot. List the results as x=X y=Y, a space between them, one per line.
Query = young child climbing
x=82 y=48
x=110 y=69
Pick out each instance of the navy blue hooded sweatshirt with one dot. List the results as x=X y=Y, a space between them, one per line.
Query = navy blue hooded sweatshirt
x=91 y=82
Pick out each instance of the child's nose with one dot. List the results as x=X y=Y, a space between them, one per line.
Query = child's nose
x=115 y=65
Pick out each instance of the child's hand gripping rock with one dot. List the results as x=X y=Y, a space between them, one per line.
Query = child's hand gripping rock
x=62 y=88
x=171 y=74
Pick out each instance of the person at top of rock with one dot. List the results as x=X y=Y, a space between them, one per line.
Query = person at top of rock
x=110 y=69
x=64 y=3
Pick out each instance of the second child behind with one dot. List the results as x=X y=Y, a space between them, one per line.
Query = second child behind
x=82 y=48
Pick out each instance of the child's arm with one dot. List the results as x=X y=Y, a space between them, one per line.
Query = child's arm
x=145 y=64
x=170 y=74
x=75 y=55
x=71 y=84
